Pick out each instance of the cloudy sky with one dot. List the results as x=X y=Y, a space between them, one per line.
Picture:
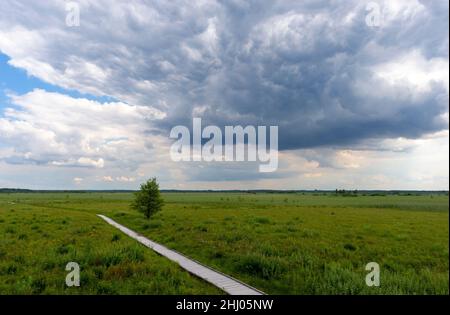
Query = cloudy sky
x=358 y=89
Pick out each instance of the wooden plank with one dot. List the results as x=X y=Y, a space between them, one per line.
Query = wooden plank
x=224 y=282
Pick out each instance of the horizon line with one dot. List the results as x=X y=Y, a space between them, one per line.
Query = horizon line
x=6 y=189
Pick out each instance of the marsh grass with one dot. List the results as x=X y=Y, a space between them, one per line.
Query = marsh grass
x=34 y=253
x=299 y=243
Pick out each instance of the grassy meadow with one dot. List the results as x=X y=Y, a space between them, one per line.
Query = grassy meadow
x=280 y=243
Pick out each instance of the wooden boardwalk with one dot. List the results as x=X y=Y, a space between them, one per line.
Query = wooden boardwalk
x=220 y=280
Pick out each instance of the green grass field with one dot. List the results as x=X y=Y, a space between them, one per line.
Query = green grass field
x=297 y=243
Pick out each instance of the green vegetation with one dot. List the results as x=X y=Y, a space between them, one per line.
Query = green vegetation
x=296 y=243
x=38 y=241
x=148 y=199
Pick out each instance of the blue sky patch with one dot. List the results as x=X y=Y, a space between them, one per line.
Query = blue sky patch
x=16 y=80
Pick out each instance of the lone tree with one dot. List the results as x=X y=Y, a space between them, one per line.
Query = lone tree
x=148 y=199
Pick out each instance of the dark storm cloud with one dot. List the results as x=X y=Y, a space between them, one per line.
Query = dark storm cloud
x=304 y=76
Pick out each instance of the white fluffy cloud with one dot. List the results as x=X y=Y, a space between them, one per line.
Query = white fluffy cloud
x=55 y=129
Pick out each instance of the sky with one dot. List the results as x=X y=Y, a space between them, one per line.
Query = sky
x=359 y=91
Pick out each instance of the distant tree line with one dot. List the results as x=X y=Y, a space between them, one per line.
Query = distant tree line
x=346 y=192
